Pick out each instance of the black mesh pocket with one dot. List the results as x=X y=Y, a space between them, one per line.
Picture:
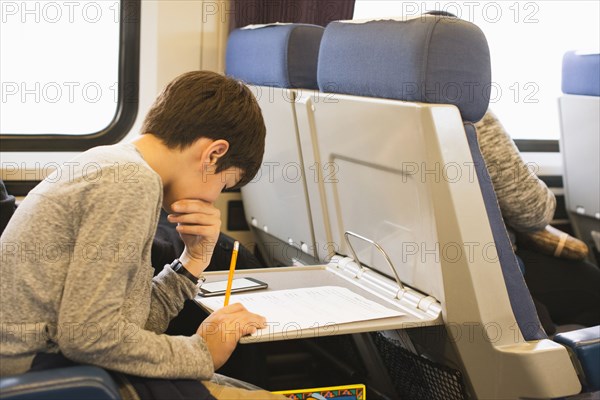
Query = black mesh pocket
x=417 y=378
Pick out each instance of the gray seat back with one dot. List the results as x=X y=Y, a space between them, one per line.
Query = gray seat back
x=279 y=61
x=398 y=162
x=580 y=143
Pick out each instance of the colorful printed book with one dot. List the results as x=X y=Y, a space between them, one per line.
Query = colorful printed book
x=348 y=392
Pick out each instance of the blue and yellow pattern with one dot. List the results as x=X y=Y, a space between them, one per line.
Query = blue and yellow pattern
x=347 y=392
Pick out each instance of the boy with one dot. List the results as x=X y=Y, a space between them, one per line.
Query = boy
x=77 y=281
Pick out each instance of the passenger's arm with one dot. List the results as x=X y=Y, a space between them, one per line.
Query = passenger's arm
x=525 y=201
x=169 y=292
x=106 y=295
x=199 y=224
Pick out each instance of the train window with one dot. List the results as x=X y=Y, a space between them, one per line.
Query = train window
x=526 y=71
x=68 y=72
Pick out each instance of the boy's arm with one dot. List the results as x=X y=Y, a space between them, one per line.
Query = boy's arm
x=199 y=224
x=169 y=291
x=102 y=287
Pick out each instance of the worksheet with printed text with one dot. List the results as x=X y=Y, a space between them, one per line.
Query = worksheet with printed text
x=306 y=308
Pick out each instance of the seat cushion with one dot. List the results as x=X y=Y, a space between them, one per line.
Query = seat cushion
x=279 y=55
x=581 y=73
x=429 y=59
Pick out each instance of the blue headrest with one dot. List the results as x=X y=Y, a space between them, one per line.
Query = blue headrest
x=275 y=55
x=429 y=59
x=581 y=74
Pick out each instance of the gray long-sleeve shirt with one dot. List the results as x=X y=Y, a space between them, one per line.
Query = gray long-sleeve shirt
x=526 y=203
x=76 y=276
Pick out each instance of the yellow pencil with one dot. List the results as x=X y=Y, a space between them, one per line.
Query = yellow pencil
x=236 y=247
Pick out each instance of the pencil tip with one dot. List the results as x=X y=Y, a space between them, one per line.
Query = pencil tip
x=236 y=245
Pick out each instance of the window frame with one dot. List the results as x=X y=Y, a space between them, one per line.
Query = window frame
x=537 y=145
x=128 y=97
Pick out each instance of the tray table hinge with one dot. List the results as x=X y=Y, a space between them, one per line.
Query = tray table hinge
x=404 y=294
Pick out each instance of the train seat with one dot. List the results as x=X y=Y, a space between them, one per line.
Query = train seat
x=585 y=344
x=392 y=131
x=579 y=143
x=70 y=383
x=278 y=61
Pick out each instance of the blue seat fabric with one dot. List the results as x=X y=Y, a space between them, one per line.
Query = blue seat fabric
x=429 y=59
x=280 y=55
x=586 y=345
x=71 y=383
x=520 y=298
x=581 y=74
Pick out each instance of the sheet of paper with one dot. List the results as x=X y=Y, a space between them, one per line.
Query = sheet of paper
x=318 y=308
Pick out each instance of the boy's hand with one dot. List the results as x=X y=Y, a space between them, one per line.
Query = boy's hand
x=223 y=329
x=198 y=224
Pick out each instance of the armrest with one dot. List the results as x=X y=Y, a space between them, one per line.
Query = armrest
x=72 y=383
x=585 y=344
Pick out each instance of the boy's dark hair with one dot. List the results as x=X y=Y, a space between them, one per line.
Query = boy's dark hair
x=206 y=104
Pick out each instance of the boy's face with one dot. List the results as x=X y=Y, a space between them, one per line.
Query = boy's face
x=204 y=185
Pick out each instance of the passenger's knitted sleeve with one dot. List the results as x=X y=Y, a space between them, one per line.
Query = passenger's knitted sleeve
x=525 y=201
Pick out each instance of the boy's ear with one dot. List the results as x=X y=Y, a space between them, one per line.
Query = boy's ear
x=215 y=150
